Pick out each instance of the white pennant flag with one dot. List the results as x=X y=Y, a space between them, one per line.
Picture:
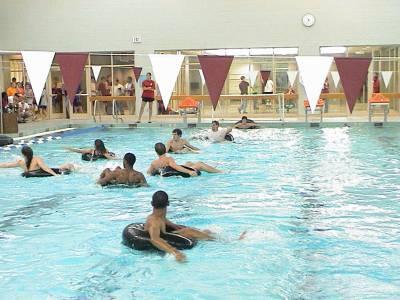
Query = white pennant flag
x=96 y=71
x=166 y=68
x=253 y=77
x=335 y=77
x=37 y=65
x=202 y=76
x=313 y=71
x=386 y=75
x=292 y=77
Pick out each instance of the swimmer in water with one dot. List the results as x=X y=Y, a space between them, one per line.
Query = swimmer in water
x=157 y=223
x=179 y=145
x=163 y=161
x=128 y=175
x=99 y=151
x=218 y=134
x=32 y=163
x=246 y=123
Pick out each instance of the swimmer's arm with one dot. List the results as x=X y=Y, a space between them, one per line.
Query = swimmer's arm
x=151 y=169
x=143 y=181
x=82 y=151
x=228 y=130
x=173 y=225
x=13 y=164
x=190 y=147
x=45 y=168
x=108 y=156
x=168 y=146
x=173 y=165
x=157 y=241
x=107 y=178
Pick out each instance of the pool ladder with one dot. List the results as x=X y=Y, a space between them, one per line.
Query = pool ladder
x=115 y=112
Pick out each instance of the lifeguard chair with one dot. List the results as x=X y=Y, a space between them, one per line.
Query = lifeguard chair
x=320 y=107
x=190 y=106
x=378 y=101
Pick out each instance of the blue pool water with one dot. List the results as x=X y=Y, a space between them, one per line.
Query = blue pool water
x=321 y=207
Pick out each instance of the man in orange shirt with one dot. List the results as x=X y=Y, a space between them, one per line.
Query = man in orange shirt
x=12 y=89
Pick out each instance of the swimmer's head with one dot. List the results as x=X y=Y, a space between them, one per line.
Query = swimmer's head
x=28 y=155
x=176 y=133
x=160 y=200
x=160 y=149
x=129 y=160
x=242 y=78
x=148 y=76
x=99 y=146
x=244 y=119
x=214 y=125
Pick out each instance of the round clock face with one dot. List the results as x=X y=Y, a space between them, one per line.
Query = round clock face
x=308 y=20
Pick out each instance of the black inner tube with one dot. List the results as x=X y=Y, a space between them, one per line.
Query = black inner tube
x=229 y=137
x=91 y=157
x=168 y=172
x=135 y=237
x=42 y=173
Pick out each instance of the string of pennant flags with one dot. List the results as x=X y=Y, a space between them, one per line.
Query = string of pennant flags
x=312 y=71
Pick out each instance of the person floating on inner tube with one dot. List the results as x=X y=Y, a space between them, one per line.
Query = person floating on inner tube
x=179 y=145
x=32 y=164
x=246 y=123
x=157 y=222
x=164 y=162
x=99 y=152
x=127 y=175
x=219 y=134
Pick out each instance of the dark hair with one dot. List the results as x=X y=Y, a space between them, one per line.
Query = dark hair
x=13 y=79
x=244 y=118
x=99 y=146
x=177 y=131
x=160 y=149
x=148 y=73
x=215 y=122
x=130 y=159
x=28 y=153
x=160 y=200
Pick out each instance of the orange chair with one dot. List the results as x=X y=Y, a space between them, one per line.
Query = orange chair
x=378 y=100
x=320 y=107
x=190 y=106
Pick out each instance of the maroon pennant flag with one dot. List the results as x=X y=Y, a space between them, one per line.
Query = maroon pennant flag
x=353 y=73
x=71 y=65
x=215 y=69
x=137 y=71
x=265 y=76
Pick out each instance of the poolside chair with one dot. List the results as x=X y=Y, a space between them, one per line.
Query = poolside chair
x=319 y=107
x=190 y=106
x=378 y=101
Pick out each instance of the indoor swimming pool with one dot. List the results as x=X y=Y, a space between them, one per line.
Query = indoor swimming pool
x=321 y=207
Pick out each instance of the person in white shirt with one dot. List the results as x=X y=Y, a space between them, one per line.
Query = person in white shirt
x=119 y=90
x=129 y=87
x=218 y=134
x=269 y=87
x=23 y=109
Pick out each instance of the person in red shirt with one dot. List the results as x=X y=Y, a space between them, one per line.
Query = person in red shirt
x=376 y=84
x=148 y=87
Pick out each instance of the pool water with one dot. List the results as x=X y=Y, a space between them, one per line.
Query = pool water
x=321 y=207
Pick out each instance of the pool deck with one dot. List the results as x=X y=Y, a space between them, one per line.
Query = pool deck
x=44 y=126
